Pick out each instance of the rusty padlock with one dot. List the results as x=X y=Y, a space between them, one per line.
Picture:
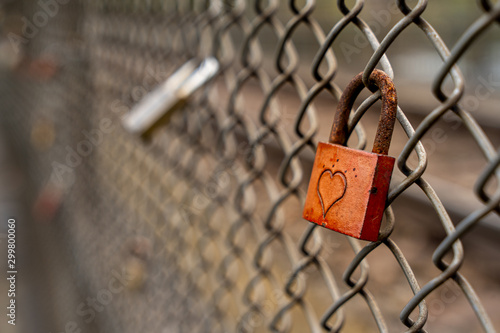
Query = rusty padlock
x=348 y=187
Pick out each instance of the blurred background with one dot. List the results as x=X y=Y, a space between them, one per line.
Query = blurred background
x=199 y=228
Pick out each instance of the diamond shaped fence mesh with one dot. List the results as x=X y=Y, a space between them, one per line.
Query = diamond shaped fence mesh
x=199 y=228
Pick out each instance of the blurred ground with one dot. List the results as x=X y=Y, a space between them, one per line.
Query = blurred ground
x=417 y=233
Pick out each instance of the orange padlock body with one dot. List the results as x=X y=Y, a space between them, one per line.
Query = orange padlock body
x=348 y=190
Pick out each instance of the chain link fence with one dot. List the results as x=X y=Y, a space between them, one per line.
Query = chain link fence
x=199 y=229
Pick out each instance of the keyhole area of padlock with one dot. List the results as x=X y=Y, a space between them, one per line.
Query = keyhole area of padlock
x=332 y=186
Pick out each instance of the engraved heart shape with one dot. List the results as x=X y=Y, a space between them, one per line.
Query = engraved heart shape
x=331 y=188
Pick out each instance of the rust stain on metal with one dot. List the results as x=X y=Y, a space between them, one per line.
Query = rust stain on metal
x=346 y=202
x=387 y=119
x=349 y=195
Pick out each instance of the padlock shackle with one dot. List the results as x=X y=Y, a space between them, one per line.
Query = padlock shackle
x=387 y=119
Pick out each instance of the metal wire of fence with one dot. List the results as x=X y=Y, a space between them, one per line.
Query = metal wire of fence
x=205 y=219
